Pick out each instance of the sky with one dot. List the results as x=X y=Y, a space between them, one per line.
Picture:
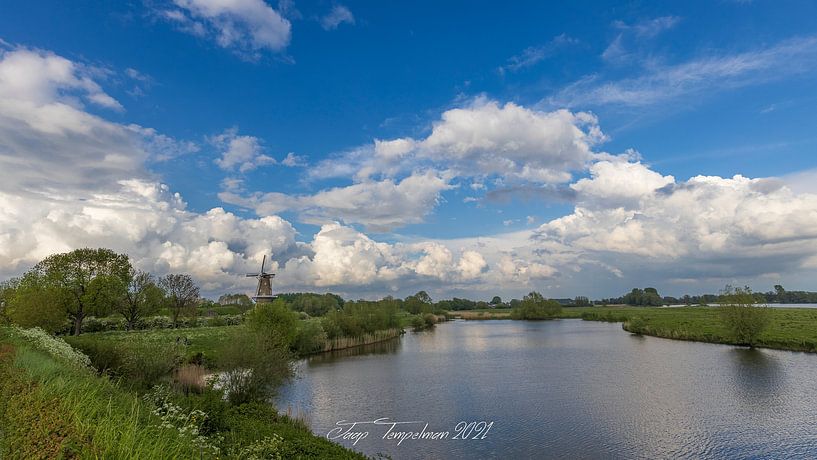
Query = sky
x=381 y=148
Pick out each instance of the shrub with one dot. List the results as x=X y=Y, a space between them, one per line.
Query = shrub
x=636 y=325
x=310 y=339
x=742 y=316
x=255 y=365
x=139 y=364
x=534 y=306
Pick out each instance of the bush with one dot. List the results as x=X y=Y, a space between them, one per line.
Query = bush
x=137 y=363
x=636 y=325
x=742 y=316
x=534 y=306
x=310 y=339
x=274 y=320
x=254 y=366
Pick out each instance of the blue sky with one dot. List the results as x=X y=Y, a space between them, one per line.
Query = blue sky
x=439 y=145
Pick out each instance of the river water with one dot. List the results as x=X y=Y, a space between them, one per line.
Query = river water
x=561 y=389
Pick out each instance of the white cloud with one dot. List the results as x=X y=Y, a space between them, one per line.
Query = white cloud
x=649 y=27
x=293 y=160
x=378 y=205
x=245 y=26
x=337 y=16
x=661 y=83
x=71 y=179
x=243 y=153
x=482 y=139
x=706 y=226
x=533 y=55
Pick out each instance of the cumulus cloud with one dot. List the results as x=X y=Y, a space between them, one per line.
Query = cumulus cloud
x=482 y=139
x=70 y=179
x=242 y=153
x=245 y=26
x=710 y=226
x=378 y=205
x=337 y=16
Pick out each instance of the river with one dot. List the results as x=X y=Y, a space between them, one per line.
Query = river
x=562 y=389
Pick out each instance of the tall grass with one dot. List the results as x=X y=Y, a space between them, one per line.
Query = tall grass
x=44 y=400
x=340 y=343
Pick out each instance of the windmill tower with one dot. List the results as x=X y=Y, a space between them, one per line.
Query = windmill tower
x=263 y=292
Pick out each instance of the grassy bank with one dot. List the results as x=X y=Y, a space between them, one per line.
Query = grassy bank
x=52 y=405
x=792 y=329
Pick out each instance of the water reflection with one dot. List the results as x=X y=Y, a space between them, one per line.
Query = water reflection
x=380 y=348
x=758 y=376
x=568 y=389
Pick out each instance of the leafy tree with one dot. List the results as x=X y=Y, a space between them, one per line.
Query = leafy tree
x=181 y=294
x=742 y=315
x=142 y=297
x=8 y=289
x=83 y=282
x=33 y=303
x=535 y=306
x=581 y=301
x=496 y=300
x=418 y=303
x=243 y=301
x=275 y=321
x=647 y=297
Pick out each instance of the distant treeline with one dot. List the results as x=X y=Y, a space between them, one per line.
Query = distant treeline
x=650 y=297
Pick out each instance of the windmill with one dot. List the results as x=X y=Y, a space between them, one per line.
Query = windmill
x=263 y=293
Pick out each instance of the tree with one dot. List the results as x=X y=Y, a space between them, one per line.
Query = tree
x=181 y=294
x=581 y=301
x=496 y=300
x=33 y=303
x=83 y=282
x=418 y=303
x=8 y=289
x=275 y=321
x=535 y=306
x=742 y=315
x=141 y=297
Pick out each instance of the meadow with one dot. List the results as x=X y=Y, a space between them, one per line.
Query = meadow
x=792 y=329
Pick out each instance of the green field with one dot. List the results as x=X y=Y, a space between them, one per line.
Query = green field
x=790 y=328
x=205 y=340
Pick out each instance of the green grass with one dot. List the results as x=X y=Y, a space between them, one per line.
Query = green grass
x=205 y=340
x=790 y=328
x=52 y=410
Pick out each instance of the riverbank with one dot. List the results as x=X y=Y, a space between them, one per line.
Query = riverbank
x=53 y=404
x=792 y=329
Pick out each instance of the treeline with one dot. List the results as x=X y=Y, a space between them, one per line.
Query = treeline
x=63 y=290
x=650 y=297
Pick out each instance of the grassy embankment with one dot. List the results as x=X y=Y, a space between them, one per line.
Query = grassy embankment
x=56 y=407
x=792 y=329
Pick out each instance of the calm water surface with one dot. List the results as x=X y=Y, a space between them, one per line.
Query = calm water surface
x=566 y=389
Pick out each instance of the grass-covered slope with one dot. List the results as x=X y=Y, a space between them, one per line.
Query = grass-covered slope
x=789 y=329
x=54 y=405
x=52 y=408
